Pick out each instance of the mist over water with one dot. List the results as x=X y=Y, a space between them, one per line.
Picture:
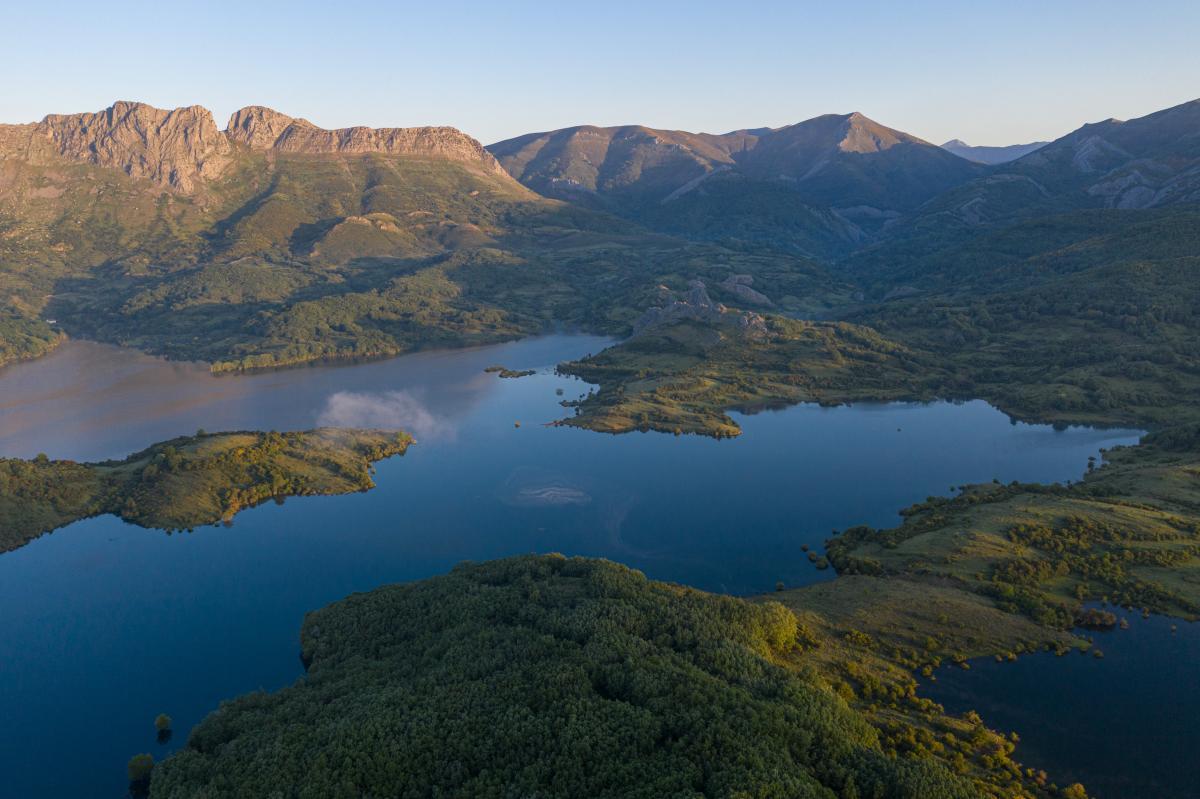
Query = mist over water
x=386 y=410
x=89 y=401
x=106 y=625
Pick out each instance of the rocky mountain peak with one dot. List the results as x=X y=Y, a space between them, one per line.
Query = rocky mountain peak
x=259 y=127
x=864 y=135
x=174 y=148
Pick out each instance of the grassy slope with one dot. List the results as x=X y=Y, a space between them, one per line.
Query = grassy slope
x=1129 y=534
x=188 y=481
x=1088 y=317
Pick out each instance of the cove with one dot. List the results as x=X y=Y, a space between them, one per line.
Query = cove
x=105 y=625
x=1063 y=709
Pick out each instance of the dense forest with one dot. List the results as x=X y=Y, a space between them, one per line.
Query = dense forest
x=548 y=676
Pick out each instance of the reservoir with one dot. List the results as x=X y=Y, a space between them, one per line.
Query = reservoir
x=104 y=625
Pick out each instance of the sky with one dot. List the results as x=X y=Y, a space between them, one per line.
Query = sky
x=985 y=72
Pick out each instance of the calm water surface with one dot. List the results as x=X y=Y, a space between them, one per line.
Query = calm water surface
x=104 y=625
x=1125 y=726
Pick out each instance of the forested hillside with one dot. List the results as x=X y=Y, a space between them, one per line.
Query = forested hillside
x=552 y=677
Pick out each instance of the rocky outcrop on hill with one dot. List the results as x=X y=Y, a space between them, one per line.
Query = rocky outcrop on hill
x=265 y=129
x=739 y=286
x=695 y=305
x=259 y=127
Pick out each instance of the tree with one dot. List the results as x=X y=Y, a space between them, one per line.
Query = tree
x=139 y=769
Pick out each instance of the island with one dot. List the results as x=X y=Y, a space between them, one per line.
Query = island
x=504 y=371
x=188 y=481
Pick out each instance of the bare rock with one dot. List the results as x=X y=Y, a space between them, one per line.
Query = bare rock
x=182 y=148
x=174 y=148
x=753 y=326
x=739 y=286
x=265 y=129
x=695 y=305
x=259 y=127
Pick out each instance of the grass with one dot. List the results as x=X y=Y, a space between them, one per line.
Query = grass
x=296 y=258
x=1129 y=533
x=682 y=377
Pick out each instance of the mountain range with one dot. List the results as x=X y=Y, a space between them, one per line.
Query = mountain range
x=181 y=148
x=831 y=261
x=991 y=155
x=820 y=187
x=275 y=241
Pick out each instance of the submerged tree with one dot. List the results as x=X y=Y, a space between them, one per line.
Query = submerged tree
x=162 y=724
x=138 y=770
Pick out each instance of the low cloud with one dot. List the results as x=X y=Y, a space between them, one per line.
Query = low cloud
x=386 y=410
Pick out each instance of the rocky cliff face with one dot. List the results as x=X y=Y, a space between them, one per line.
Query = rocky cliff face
x=174 y=148
x=182 y=148
x=265 y=129
x=259 y=127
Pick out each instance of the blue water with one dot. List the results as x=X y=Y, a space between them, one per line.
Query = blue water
x=1125 y=725
x=105 y=625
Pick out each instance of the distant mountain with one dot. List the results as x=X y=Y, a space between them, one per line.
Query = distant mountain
x=991 y=155
x=629 y=164
x=1149 y=162
x=839 y=177
x=852 y=163
x=1048 y=199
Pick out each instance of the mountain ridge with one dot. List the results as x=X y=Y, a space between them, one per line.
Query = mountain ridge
x=820 y=187
x=182 y=148
x=991 y=155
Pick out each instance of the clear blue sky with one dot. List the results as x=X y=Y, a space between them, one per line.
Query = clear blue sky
x=989 y=73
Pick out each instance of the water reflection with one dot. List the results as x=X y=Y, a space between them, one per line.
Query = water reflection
x=89 y=401
x=1124 y=725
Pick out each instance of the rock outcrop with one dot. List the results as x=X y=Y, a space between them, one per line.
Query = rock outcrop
x=259 y=127
x=695 y=305
x=265 y=129
x=173 y=148
x=739 y=286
